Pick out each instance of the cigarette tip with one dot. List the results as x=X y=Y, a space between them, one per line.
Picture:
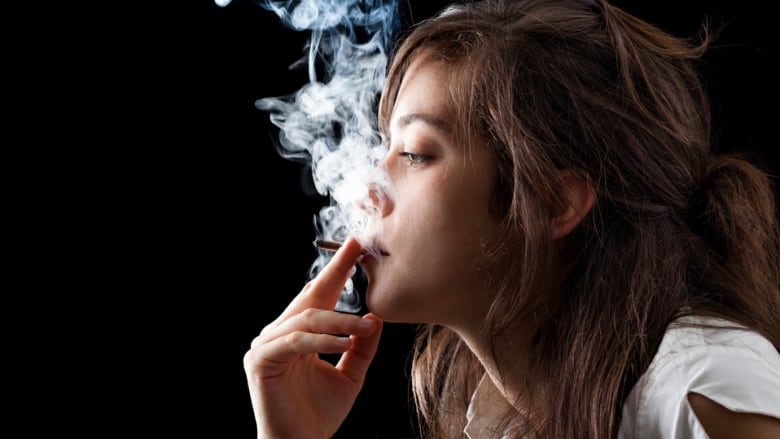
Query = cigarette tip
x=330 y=246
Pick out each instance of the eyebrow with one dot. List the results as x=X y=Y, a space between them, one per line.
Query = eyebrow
x=427 y=119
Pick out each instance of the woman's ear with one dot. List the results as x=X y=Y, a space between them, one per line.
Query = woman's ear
x=579 y=196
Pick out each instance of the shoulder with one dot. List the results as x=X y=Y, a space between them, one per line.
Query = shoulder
x=720 y=422
x=732 y=366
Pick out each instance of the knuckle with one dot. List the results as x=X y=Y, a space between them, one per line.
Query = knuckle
x=263 y=332
x=250 y=360
x=293 y=338
x=309 y=313
x=257 y=341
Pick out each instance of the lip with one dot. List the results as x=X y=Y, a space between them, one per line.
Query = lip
x=333 y=246
x=375 y=250
x=368 y=259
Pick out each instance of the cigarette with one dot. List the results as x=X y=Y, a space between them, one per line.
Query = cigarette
x=331 y=246
x=326 y=245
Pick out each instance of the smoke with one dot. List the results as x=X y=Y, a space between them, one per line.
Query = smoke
x=330 y=122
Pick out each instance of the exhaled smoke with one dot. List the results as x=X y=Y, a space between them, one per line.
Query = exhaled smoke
x=331 y=121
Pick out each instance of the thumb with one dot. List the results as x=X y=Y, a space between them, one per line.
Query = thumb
x=323 y=291
x=354 y=363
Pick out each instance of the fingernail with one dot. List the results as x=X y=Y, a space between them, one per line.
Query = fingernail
x=366 y=323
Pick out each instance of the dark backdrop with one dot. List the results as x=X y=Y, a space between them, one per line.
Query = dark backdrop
x=215 y=228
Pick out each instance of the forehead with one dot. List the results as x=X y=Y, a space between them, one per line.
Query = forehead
x=424 y=90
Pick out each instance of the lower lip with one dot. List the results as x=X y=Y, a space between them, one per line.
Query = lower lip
x=366 y=258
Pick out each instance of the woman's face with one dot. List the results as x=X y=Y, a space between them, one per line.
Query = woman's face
x=435 y=219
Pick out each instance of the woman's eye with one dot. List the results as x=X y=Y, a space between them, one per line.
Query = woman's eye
x=414 y=160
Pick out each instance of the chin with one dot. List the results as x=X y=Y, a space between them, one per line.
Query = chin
x=380 y=302
x=385 y=302
x=373 y=302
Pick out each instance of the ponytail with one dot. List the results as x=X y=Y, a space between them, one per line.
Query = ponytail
x=734 y=213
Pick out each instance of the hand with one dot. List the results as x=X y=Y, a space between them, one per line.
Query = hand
x=295 y=393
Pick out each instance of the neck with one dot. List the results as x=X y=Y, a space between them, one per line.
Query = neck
x=503 y=356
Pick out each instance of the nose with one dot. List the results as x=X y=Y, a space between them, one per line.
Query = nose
x=379 y=201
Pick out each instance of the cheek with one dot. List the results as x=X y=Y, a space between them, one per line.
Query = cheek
x=437 y=236
x=416 y=204
x=445 y=213
x=445 y=238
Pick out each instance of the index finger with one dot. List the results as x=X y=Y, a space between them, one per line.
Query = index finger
x=323 y=291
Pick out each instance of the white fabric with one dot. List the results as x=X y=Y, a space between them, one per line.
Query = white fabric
x=486 y=406
x=736 y=368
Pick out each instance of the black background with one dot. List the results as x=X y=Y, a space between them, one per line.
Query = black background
x=200 y=233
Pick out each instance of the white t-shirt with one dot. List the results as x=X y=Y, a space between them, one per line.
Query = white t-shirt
x=738 y=369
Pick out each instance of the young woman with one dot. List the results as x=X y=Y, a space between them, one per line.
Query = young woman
x=581 y=263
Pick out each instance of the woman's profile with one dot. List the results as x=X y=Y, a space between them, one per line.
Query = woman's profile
x=552 y=216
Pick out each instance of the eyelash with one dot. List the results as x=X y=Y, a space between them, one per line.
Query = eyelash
x=414 y=160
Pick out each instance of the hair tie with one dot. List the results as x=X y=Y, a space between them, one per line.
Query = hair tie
x=696 y=209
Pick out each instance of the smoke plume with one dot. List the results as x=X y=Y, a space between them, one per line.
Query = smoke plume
x=330 y=122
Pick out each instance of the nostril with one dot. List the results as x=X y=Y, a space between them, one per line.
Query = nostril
x=378 y=198
x=367 y=205
x=375 y=196
x=382 y=204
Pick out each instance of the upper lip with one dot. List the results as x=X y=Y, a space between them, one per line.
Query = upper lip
x=376 y=248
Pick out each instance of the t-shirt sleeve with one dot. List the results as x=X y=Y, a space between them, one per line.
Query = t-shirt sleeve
x=743 y=378
x=739 y=380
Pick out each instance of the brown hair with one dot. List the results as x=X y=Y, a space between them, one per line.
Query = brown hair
x=674 y=230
